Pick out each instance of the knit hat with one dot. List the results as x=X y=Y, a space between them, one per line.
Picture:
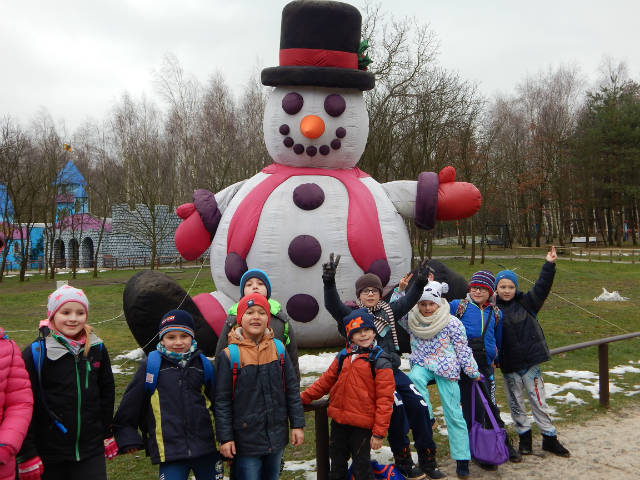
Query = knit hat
x=509 y=275
x=368 y=280
x=483 y=278
x=357 y=320
x=63 y=295
x=433 y=291
x=255 y=273
x=249 y=301
x=178 y=321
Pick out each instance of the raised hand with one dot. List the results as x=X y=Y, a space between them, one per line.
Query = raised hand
x=329 y=269
x=552 y=255
x=423 y=271
x=404 y=281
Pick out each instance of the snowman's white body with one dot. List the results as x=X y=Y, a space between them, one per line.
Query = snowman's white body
x=281 y=220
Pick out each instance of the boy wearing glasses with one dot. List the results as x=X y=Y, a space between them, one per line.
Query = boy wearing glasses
x=482 y=321
x=409 y=407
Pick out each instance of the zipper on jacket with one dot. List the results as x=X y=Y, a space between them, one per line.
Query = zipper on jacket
x=86 y=377
x=79 y=388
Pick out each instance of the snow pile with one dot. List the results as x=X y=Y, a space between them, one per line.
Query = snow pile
x=137 y=354
x=607 y=296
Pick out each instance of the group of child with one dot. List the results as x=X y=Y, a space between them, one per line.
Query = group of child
x=253 y=394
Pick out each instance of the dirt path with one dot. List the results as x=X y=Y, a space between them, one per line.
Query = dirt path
x=604 y=448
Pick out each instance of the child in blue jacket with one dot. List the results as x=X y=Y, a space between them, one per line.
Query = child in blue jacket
x=482 y=321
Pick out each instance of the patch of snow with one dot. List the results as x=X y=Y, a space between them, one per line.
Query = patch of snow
x=82 y=271
x=120 y=369
x=569 y=398
x=315 y=363
x=607 y=296
x=622 y=369
x=574 y=374
x=137 y=354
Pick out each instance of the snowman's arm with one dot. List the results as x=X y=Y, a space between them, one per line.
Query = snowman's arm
x=201 y=219
x=224 y=196
x=417 y=200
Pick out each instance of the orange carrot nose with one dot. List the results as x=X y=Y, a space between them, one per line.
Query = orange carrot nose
x=312 y=126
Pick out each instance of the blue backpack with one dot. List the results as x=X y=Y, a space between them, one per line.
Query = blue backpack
x=373 y=356
x=234 y=362
x=153 y=367
x=382 y=472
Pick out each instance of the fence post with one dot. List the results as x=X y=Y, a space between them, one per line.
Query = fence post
x=322 y=444
x=603 y=372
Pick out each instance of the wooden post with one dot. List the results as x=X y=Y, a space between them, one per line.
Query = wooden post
x=603 y=372
x=322 y=444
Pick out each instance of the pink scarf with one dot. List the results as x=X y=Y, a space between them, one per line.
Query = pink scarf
x=363 y=227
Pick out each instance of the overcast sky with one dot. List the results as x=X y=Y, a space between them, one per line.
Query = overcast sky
x=76 y=58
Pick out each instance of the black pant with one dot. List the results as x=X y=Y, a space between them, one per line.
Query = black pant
x=348 y=441
x=466 y=384
x=92 y=468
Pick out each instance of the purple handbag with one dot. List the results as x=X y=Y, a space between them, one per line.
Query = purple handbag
x=486 y=445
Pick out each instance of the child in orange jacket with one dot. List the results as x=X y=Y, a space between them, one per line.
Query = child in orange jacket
x=360 y=385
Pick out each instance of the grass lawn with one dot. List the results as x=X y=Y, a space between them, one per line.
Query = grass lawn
x=22 y=305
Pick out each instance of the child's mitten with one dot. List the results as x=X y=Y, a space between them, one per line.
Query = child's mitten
x=110 y=448
x=31 y=469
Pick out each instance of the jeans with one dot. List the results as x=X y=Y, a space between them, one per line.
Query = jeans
x=258 y=467
x=204 y=468
x=409 y=410
x=349 y=441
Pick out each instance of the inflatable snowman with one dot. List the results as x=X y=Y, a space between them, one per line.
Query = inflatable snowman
x=313 y=200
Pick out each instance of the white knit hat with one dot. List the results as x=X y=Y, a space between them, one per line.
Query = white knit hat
x=63 y=295
x=433 y=291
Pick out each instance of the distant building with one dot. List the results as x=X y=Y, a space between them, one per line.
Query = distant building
x=77 y=232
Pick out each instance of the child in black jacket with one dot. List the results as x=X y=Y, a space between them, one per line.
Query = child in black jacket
x=73 y=392
x=523 y=349
x=172 y=406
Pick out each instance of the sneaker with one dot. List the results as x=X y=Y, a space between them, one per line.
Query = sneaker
x=525 y=443
x=428 y=464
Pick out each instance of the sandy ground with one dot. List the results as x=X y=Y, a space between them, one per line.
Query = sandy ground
x=604 y=448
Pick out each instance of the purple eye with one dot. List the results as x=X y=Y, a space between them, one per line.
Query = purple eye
x=334 y=105
x=292 y=103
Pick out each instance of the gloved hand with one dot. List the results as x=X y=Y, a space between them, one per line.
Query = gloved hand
x=423 y=270
x=110 y=448
x=329 y=270
x=456 y=200
x=201 y=218
x=31 y=469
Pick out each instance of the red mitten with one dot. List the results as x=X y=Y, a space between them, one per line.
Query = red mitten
x=456 y=200
x=110 y=448
x=32 y=469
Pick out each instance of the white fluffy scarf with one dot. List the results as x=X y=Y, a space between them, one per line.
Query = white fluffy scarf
x=428 y=327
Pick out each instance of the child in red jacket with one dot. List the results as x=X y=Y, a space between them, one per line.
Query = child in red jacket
x=360 y=385
x=16 y=405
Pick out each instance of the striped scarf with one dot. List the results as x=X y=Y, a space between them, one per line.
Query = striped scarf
x=380 y=321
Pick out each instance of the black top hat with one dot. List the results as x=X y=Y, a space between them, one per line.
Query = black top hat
x=319 y=47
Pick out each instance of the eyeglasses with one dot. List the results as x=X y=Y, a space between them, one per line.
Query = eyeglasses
x=478 y=289
x=370 y=291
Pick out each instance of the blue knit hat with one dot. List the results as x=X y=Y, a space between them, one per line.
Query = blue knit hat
x=357 y=320
x=509 y=275
x=176 y=320
x=255 y=273
x=483 y=278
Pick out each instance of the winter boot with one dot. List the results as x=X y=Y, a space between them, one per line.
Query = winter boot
x=525 y=443
x=551 y=444
x=405 y=464
x=514 y=455
x=427 y=461
x=462 y=468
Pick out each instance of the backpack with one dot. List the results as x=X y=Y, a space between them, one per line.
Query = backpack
x=39 y=353
x=382 y=472
x=234 y=362
x=373 y=357
x=154 y=359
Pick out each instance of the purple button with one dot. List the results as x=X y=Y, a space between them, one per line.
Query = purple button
x=305 y=251
x=336 y=144
x=288 y=142
x=308 y=196
x=302 y=307
x=298 y=148
x=311 y=150
x=340 y=132
x=324 y=150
